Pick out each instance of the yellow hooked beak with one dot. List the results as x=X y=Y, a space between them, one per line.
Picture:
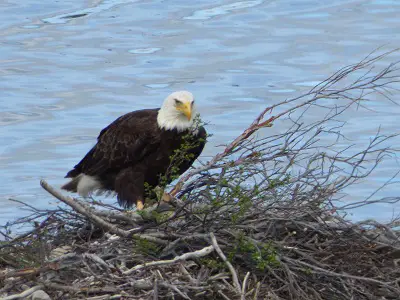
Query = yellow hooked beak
x=186 y=109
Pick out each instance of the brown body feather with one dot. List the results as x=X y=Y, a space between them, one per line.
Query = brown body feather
x=133 y=151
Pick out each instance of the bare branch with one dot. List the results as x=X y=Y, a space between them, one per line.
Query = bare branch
x=190 y=255
x=80 y=209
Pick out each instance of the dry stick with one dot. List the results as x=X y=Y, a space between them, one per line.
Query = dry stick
x=244 y=286
x=96 y=219
x=133 y=219
x=195 y=254
x=223 y=295
x=82 y=210
x=173 y=287
x=72 y=289
x=155 y=290
x=257 y=291
x=229 y=265
x=24 y=294
x=23 y=272
x=334 y=274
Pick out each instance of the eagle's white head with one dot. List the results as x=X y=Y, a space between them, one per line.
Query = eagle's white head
x=177 y=111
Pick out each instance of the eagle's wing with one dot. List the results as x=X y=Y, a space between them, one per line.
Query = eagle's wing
x=125 y=142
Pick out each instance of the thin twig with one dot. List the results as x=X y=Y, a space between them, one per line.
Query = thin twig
x=228 y=264
x=244 y=285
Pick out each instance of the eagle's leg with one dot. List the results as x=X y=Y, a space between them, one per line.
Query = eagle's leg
x=129 y=185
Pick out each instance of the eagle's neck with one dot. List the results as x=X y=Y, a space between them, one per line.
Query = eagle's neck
x=173 y=120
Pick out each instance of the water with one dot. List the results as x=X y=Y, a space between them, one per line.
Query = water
x=68 y=68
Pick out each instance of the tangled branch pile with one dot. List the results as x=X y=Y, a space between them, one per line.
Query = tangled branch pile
x=260 y=220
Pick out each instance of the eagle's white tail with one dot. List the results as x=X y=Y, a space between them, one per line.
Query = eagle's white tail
x=87 y=185
x=83 y=184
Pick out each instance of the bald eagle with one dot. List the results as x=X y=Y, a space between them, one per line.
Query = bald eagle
x=139 y=150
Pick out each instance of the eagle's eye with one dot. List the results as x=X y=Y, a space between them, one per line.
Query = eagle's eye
x=177 y=102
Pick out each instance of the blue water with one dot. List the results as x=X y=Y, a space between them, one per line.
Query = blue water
x=68 y=68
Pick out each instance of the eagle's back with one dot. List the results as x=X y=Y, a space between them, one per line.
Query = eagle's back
x=132 y=151
x=124 y=142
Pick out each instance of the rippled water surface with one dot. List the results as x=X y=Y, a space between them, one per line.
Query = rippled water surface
x=68 y=68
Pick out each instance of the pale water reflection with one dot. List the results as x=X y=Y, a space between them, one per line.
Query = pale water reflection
x=68 y=68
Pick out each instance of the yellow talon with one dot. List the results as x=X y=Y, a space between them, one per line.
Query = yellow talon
x=139 y=205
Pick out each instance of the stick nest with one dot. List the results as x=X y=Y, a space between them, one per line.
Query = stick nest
x=263 y=219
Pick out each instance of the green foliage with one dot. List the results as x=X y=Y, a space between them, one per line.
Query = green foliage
x=213 y=263
x=232 y=193
x=142 y=213
x=308 y=271
x=161 y=217
x=153 y=215
x=179 y=156
x=189 y=142
x=274 y=183
x=146 y=247
x=261 y=255
x=244 y=203
x=30 y=255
